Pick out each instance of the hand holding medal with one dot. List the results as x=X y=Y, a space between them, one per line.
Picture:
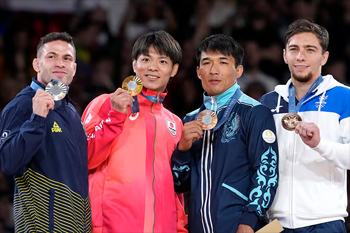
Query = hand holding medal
x=208 y=118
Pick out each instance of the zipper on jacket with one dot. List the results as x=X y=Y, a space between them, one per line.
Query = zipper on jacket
x=292 y=184
x=51 y=207
x=154 y=158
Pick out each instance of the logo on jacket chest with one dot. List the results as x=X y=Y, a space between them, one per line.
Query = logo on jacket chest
x=171 y=127
x=55 y=128
x=231 y=128
x=321 y=101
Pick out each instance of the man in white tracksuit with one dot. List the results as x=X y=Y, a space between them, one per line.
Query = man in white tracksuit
x=314 y=158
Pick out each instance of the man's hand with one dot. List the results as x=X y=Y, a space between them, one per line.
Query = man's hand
x=42 y=102
x=191 y=132
x=309 y=133
x=242 y=228
x=121 y=99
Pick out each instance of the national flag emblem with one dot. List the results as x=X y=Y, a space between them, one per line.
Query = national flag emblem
x=171 y=126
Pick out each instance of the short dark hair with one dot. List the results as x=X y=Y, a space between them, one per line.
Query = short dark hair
x=53 y=36
x=220 y=43
x=304 y=25
x=162 y=42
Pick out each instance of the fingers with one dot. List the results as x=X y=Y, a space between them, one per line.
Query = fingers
x=121 y=99
x=42 y=102
x=309 y=133
x=191 y=132
x=306 y=129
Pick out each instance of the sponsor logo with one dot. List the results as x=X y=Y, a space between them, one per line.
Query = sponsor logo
x=55 y=128
x=268 y=136
x=171 y=127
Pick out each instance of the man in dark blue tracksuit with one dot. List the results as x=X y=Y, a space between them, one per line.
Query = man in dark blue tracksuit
x=231 y=170
x=44 y=147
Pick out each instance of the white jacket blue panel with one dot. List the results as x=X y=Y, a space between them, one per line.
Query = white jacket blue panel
x=312 y=184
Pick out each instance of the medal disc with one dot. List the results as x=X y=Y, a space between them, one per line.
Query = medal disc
x=132 y=84
x=57 y=89
x=208 y=118
x=290 y=121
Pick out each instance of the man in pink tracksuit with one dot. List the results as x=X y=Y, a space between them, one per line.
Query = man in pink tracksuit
x=130 y=178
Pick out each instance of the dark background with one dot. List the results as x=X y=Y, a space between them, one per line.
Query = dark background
x=105 y=30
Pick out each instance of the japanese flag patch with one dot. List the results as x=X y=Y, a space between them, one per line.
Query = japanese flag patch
x=171 y=127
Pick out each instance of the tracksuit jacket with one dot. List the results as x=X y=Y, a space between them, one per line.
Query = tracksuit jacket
x=131 y=184
x=312 y=185
x=231 y=172
x=48 y=159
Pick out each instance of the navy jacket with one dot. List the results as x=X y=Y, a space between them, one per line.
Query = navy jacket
x=48 y=159
x=231 y=172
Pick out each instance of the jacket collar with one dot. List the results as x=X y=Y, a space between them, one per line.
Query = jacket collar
x=328 y=83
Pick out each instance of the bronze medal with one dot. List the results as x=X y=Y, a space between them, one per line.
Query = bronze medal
x=132 y=84
x=290 y=121
x=208 y=118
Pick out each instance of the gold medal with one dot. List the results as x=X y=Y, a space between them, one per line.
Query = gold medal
x=290 y=121
x=208 y=118
x=57 y=89
x=132 y=84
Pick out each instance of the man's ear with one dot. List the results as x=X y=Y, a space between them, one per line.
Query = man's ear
x=35 y=65
x=325 y=58
x=284 y=56
x=133 y=64
x=174 y=71
x=239 y=70
x=198 y=75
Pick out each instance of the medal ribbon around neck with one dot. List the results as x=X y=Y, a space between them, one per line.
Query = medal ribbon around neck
x=292 y=108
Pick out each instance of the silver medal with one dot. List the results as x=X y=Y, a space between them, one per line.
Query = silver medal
x=57 y=89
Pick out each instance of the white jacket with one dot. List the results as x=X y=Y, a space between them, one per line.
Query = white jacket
x=312 y=183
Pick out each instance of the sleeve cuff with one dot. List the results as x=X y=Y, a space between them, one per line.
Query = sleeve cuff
x=321 y=148
x=249 y=218
x=37 y=118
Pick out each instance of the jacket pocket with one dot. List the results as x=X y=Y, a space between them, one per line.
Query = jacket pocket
x=235 y=191
x=51 y=204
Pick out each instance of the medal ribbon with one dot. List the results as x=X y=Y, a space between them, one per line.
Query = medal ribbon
x=292 y=108
x=35 y=86
x=227 y=112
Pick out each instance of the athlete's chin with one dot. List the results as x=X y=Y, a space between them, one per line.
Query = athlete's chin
x=302 y=78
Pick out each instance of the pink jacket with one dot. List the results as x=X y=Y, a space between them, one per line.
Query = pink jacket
x=130 y=178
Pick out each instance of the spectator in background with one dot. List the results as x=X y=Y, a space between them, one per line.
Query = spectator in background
x=252 y=72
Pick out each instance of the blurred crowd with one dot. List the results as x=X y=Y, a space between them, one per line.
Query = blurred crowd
x=105 y=30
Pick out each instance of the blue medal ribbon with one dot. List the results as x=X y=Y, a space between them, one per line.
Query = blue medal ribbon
x=292 y=108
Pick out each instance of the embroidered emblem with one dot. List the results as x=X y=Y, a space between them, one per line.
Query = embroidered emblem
x=55 y=128
x=268 y=136
x=133 y=116
x=4 y=135
x=88 y=119
x=266 y=179
x=321 y=102
x=231 y=128
x=171 y=127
